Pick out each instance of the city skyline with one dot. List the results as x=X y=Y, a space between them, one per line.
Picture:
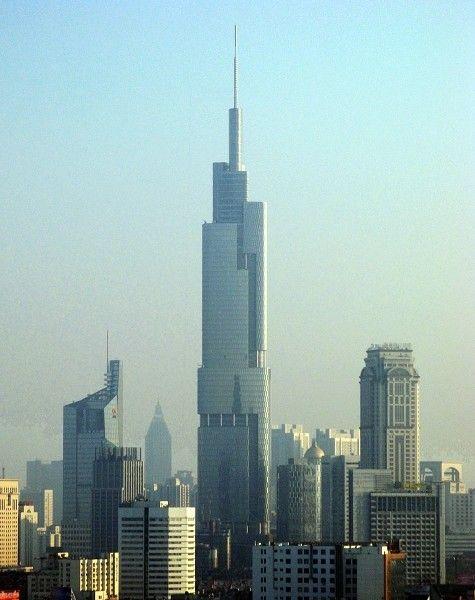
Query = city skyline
x=49 y=314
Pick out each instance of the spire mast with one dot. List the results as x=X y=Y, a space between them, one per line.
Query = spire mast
x=235 y=68
x=235 y=119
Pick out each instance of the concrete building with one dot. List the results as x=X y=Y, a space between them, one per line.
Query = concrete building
x=299 y=498
x=90 y=424
x=287 y=441
x=28 y=541
x=389 y=392
x=176 y=493
x=158 y=451
x=335 y=442
x=41 y=476
x=91 y=574
x=48 y=508
x=326 y=572
x=234 y=379
x=9 y=505
x=118 y=478
x=335 y=497
x=417 y=520
x=45 y=578
x=157 y=550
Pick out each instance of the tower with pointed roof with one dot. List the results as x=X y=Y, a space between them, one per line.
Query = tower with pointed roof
x=158 y=451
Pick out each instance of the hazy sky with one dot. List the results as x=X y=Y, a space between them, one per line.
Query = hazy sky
x=358 y=132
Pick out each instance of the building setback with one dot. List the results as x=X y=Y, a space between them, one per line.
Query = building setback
x=389 y=407
x=157 y=550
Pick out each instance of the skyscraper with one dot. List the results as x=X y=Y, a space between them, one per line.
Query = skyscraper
x=158 y=450
x=118 y=478
x=41 y=476
x=90 y=424
x=389 y=388
x=9 y=499
x=233 y=380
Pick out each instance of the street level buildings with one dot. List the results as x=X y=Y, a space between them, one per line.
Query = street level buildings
x=157 y=550
x=158 y=451
x=9 y=505
x=234 y=379
x=389 y=421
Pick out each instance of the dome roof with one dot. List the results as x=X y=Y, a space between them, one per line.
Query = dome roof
x=314 y=453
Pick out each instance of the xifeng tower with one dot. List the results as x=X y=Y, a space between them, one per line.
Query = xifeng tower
x=233 y=380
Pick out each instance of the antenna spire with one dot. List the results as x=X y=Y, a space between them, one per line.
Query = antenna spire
x=107 y=351
x=235 y=67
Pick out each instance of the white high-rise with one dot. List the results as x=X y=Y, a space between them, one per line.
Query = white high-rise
x=389 y=387
x=157 y=550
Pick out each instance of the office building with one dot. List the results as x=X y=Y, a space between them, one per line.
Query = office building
x=158 y=451
x=287 y=441
x=90 y=424
x=28 y=525
x=335 y=442
x=91 y=574
x=283 y=571
x=417 y=520
x=389 y=392
x=234 y=380
x=299 y=499
x=41 y=476
x=336 y=497
x=118 y=478
x=157 y=550
x=9 y=505
x=361 y=483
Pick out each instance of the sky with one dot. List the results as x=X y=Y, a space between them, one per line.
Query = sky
x=358 y=133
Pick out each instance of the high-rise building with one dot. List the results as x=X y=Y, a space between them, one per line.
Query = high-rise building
x=389 y=386
x=90 y=424
x=41 y=476
x=287 y=441
x=336 y=496
x=324 y=571
x=28 y=541
x=417 y=520
x=48 y=508
x=118 y=478
x=176 y=493
x=335 y=442
x=9 y=505
x=234 y=380
x=91 y=574
x=299 y=498
x=158 y=451
x=157 y=550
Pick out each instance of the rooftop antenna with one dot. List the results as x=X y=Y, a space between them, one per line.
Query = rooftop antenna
x=235 y=67
x=107 y=351
x=3 y=472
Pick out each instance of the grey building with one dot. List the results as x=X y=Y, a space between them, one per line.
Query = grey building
x=234 y=380
x=389 y=392
x=90 y=424
x=41 y=476
x=417 y=520
x=118 y=478
x=336 y=497
x=299 y=498
x=158 y=450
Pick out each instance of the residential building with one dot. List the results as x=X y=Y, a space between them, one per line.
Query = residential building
x=335 y=442
x=90 y=424
x=389 y=391
x=28 y=541
x=287 y=441
x=157 y=550
x=299 y=498
x=234 y=379
x=9 y=505
x=118 y=478
x=417 y=520
x=158 y=450
x=321 y=571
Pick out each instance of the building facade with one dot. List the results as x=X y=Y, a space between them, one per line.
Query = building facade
x=335 y=442
x=118 y=478
x=287 y=441
x=324 y=571
x=417 y=520
x=158 y=451
x=234 y=380
x=389 y=407
x=29 y=542
x=9 y=505
x=91 y=574
x=90 y=424
x=157 y=550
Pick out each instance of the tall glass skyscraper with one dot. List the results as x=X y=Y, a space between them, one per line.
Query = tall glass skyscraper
x=233 y=380
x=90 y=424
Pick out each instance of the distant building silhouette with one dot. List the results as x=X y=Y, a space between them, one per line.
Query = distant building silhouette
x=158 y=451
